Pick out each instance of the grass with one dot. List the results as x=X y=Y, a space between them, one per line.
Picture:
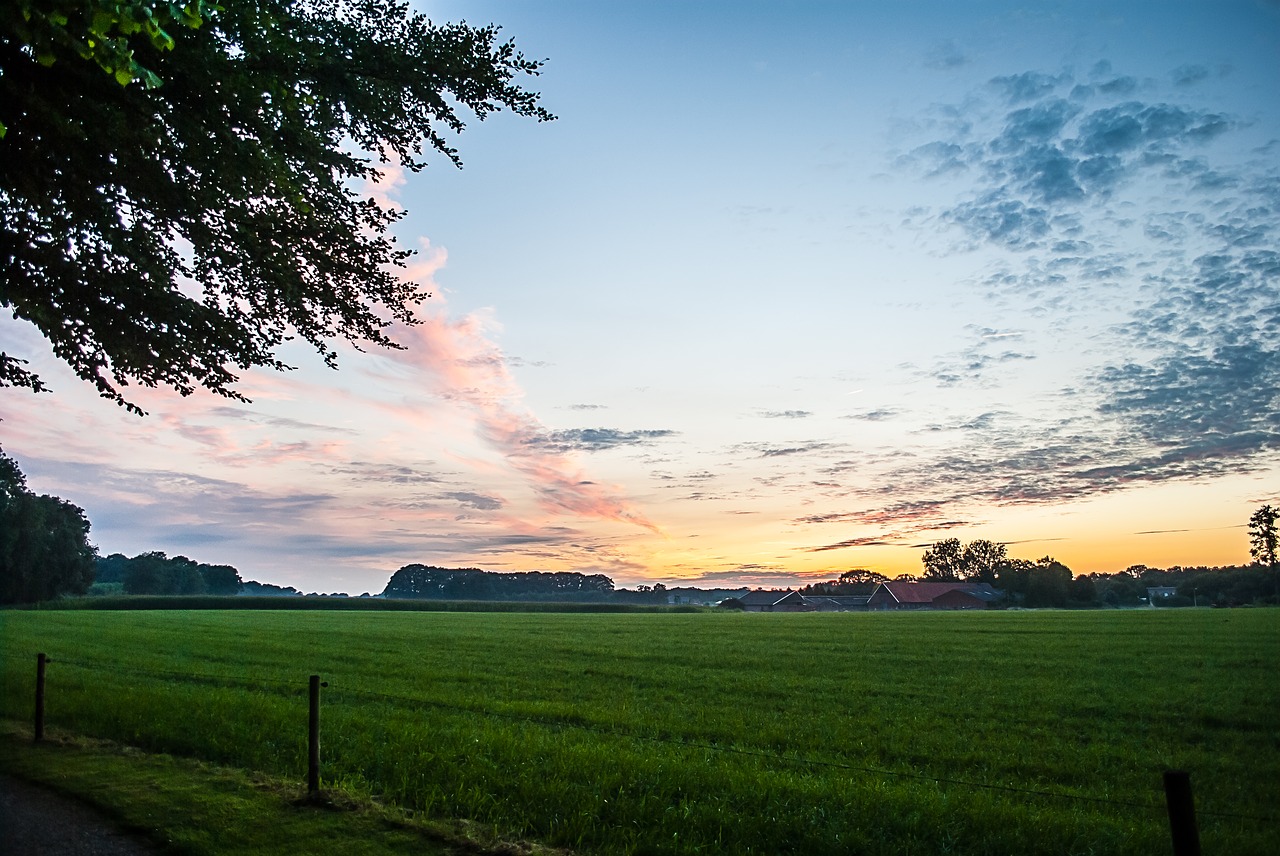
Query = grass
x=1042 y=732
x=194 y=807
x=109 y=596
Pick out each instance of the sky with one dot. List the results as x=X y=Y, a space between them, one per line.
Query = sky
x=786 y=289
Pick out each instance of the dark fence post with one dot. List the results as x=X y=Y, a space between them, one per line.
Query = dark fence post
x=41 y=659
x=313 y=740
x=1182 y=813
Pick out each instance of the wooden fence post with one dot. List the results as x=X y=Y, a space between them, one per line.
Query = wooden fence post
x=1182 y=813
x=313 y=739
x=41 y=660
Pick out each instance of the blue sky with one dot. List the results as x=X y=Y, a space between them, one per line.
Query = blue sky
x=787 y=288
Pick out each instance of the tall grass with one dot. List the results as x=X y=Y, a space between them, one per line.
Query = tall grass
x=859 y=733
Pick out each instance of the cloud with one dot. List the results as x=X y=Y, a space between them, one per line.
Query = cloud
x=785 y=414
x=938 y=158
x=835 y=517
x=878 y=415
x=946 y=56
x=378 y=472
x=594 y=439
x=973 y=365
x=855 y=542
x=457 y=360
x=480 y=502
x=767 y=450
x=981 y=422
x=1195 y=529
x=1189 y=75
x=1028 y=86
x=262 y=418
x=1107 y=198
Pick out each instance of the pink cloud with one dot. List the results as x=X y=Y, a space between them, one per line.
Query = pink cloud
x=460 y=362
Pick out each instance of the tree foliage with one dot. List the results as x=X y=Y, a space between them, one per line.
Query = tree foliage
x=980 y=560
x=856 y=581
x=156 y=573
x=174 y=235
x=44 y=542
x=1262 y=536
x=101 y=32
x=1045 y=582
x=943 y=561
x=424 y=581
x=950 y=561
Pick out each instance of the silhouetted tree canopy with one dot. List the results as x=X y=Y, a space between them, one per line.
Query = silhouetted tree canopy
x=852 y=582
x=171 y=216
x=943 y=561
x=423 y=581
x=1262 y=536
x=44 y=542
x=156 y=573
x=949 y=561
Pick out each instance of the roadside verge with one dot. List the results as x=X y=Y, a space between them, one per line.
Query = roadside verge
x=188 y=806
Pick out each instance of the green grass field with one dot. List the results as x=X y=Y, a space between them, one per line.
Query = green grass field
x=1008 y=732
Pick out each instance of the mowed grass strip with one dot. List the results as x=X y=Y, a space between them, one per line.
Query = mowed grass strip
x=857 y=733
x=189 y=806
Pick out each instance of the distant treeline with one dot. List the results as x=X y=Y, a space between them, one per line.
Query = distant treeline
x=1049 y=583
x=425 y=581
x=1046 y=583
x=157 y=573
x=1231 y=585
x=325 y=603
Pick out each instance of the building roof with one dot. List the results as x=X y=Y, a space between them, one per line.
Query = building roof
x=760 y=597
x=845 y=600
x=909 y=592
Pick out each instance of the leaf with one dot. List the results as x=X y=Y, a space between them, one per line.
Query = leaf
x=102 y=22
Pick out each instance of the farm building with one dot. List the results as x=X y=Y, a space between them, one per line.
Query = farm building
x=928 y=595
x=839 y=602
x=775 y=601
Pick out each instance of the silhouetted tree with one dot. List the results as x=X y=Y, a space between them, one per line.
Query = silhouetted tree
x=852 y=582
x=221 y=579
x=1262 y=536
x=1082 y=590
x=44 y=542
x=423 y=581
x=110 y=569
x=1012 y=576
x=980 y=559
x=949 y=560
x=1048 y=582
x=944 y=561
x=1263 y=544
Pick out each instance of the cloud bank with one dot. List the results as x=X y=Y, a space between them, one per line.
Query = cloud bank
x=1101 y=191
